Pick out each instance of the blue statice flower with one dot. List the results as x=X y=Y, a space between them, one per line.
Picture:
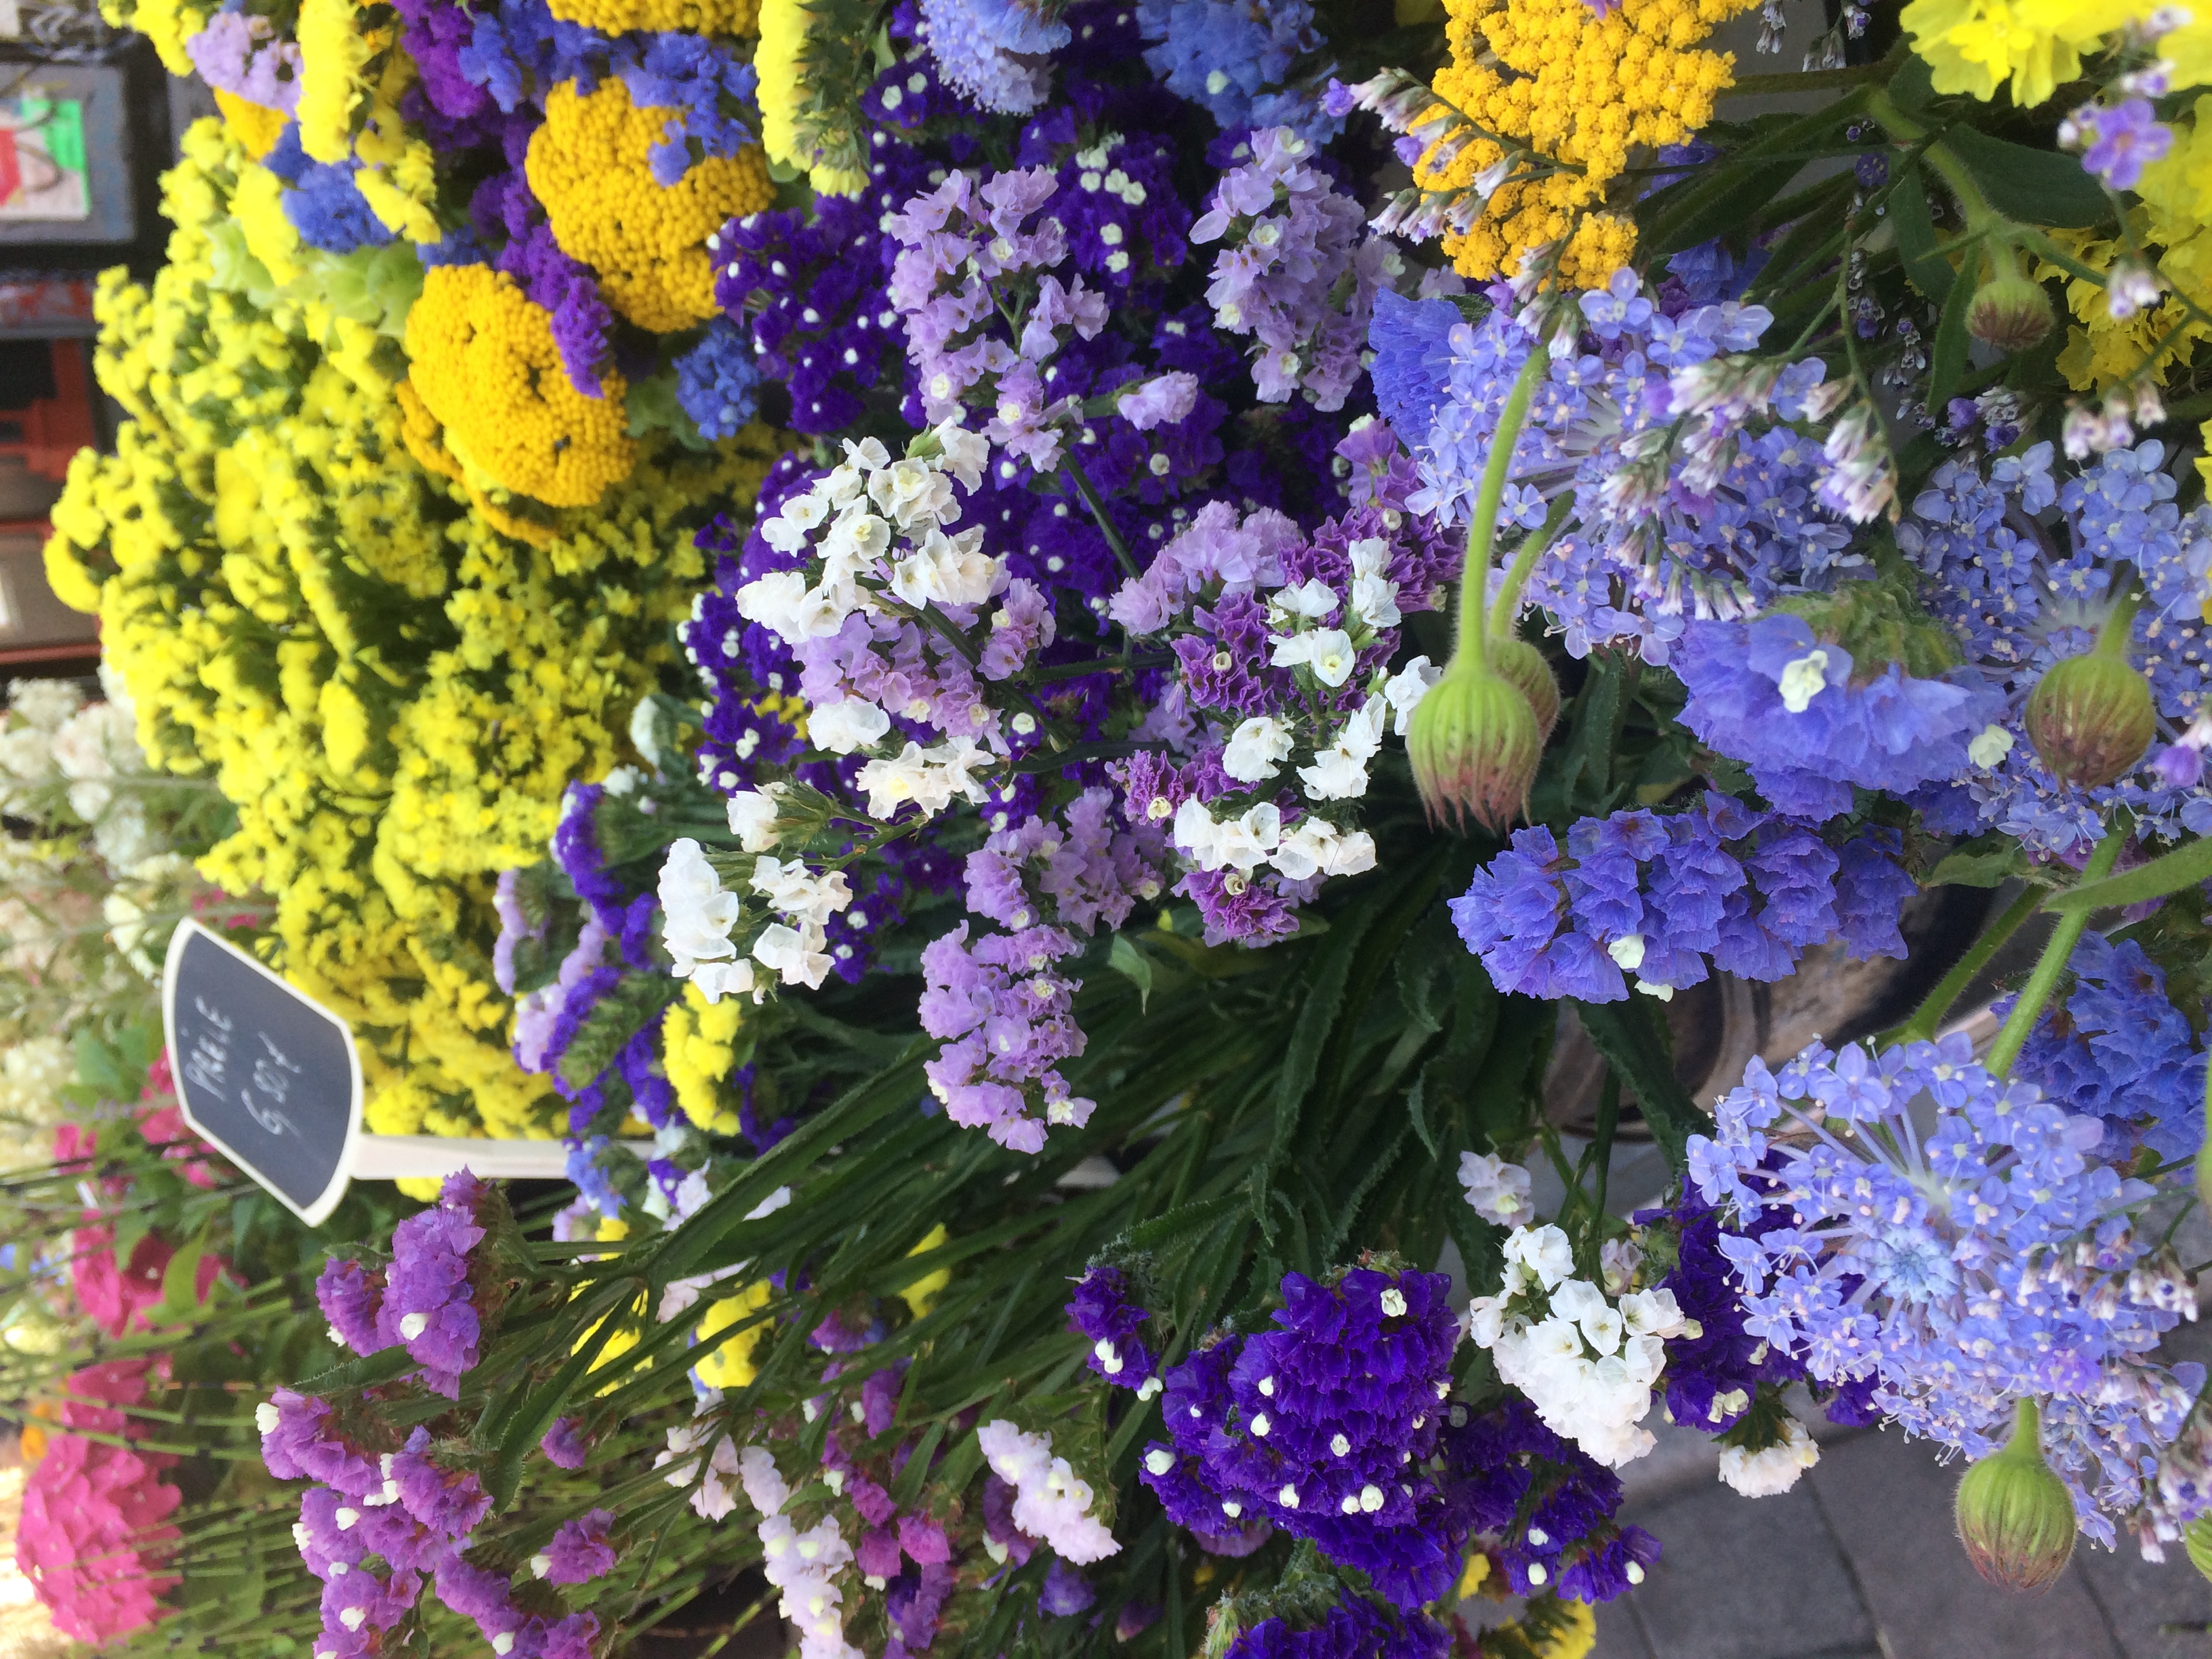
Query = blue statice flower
x=2021 y=564
x=519 y=51
x=1323 y=1427
x=1810 y=723
x=1544 y=1507
x=1959 y=1260
x=323 y=203
x=717 y=382
x=710 y=92
x=994 y=52
x=2118 y=1048
x=1670 y=898
x=1411 y=340
x=1230 y=56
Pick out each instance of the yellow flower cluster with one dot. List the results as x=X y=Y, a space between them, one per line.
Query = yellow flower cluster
x=1581 y=92
x=590 y=164
x=168 y=23
x=781 y=93
x=486 y=367
x=258 y=126
x=1975 y=46
x=697 y=17
x=391 y=692
x=698 y=1044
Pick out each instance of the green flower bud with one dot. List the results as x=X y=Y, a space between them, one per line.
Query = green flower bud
x=2015 y=1516
x=1474 y=742
x=2090 y=719
x=2010 y=311
x=1521 y=665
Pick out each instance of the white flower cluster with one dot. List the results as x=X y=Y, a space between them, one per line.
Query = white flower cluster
x=52 y=740
x=715 y=1497
x=804 y=1565
x=1051 y=1501
x=33 y=1074
x=1497 y=1190
x=1586 y=1363
x=1771 y=1470
x=699 y=915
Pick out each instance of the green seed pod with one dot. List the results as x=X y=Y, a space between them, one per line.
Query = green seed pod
x=2015 y=1516
x=1521 y=664
x=1474 y=743
x=2010 y=311
x=2090 y=719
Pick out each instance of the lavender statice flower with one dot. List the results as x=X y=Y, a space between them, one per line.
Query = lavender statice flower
x=1811 y=723
x=579 y=1552
x=1005 y=1017
x=1293 y=272
x=430 y=1306
x=351 y=1298
x=1101 y=1311
x=994 y=51
x=1323 y=1427
x=2118 y=141
x=716 y=382
x=1051 y=1502
x=564 y=1445
x=1669 y=897
x=1544 y=1508
x=1959 y=1265
x=239 y=53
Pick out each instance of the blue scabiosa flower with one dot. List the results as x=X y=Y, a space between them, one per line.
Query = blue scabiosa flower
x=1959 y=1266
x=717 y=382
x=994 y=51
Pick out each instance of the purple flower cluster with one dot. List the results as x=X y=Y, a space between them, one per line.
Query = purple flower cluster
x=1544 y=1507
x=994 y=51
x=1007 y=1018
x=425 y=1301
x=1668 y=897
x=1811 y=724
x=1323 y=1427
x=2118 y=141
x=1354 y=1628
x=1231 y=57
x=323 y=203
x=1102 y=1312
x=1710 y=1377
x=239 y=54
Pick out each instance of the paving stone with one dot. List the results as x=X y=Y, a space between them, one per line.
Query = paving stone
x=2158 y=1610
x=1740 y=1579
x=1888 y=1503
x=1618 y=1635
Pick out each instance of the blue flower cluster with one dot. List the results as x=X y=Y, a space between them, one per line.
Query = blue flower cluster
x=1231 y=57
x=1959 y=1265
x=1101 y=1311
x=717 y=381
x=1353 y=1629
x=2118 y=1048
x=710 y=91
x=324 y=204
x=1323 y=1427
x=1810 y=723
x=1657 y=895
x=994 y=51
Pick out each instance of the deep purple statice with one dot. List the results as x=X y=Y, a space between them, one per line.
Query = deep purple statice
x=1669 y=897
x=1354 y=1629
x=2118 y=1048
x=1710 y=1377
x=1101 y=1311
x=1310 y=1426
x=451 y=1501
x=1809 y=725
x=1544 y=1507
x=428 y=1303
x=300 y=1442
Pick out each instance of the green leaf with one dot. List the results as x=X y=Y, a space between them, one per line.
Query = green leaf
x=528 y=1424
x=1966 y=866
x=2183 y=867
x=1913 y=85
x=1413 y=1109
x=635 y=1000
x=1947 y=362
x=1623 y=1032
x=1127 y=959
x=97 y=1065
x=1926 y=267
x=366 y=1372
x=2035 y=186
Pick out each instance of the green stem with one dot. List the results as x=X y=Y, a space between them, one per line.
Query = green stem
x=1760 y=86
x=1921 y=1028
x=1608 y=1121
x=2026 y=1429
x=1507 y=609
x=1954 y=172
x=1482 y=531
x=2113 y=634
x=2051 y=964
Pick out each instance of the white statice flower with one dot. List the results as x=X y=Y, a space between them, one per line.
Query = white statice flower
x=44 y=704
x=33 y=1074
x=846 y=725
x=1328 y=652
x=697 y=912
x=1586 y=1363
x=753 y=813
x=27 y=756
x=1774 y=1469
x=1497 y=1190
x=797 y=954
x=1315 y=847
x=717 y=980
x=798 y=892
x=930 y=778
x=1243 y=843
x=1374 y=595
x=1312 y=598
x=718 y=1492
x=782 y=603
x=152 y=887
x=1404 y=690
x=1256 y=748
x=97 y=743
x=804 y=1565
x=950 y=570
x=1340 y=771
x=121 y=836
x=1618 y=1259
x=1051 y=1501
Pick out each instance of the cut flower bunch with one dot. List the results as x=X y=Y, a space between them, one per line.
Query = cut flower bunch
x=1044 y=671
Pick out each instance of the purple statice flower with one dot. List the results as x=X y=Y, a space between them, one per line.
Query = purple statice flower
x=1101 y=1311
x=357 y=1607
x=1231 y=57
x=513 y=929
x=914 y=1602
x=1078 y=870
x=300 y=1442
x=564 y=1445
x=2118 y=1048
x=994 y=51
x=1311 y=1427
x=448 y=1501
x=1005 y=1017
x=699 y=83
x=1960 y=1263
x=1710 y=1377
x=1354 y=1628
x=580 y=1551
x=1668 y=898
x=1810 y=723
x=1293 y=272
x=239 y=53
x=1546 y=1508
x=351 y=1298
x=428 y=1303
x=1065 y=1592
x=716 y=382
x=2119 y=140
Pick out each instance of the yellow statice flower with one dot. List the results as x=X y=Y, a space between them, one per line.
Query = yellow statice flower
x=698 y=1045
x=389 y=691
x=1582 y=92
x=781 y=94
x=168 y=23
x=665 y=16
x=258 y=126
x=1975 y=46
x=921 y=1296
x=486 y=366
x=590 y=164
x=337 y=60
x=728 y=1364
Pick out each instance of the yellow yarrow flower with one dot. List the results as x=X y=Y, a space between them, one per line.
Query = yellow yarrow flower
x=485 y=365
x=591 y=165
x=1582 y=91
x=664 y=16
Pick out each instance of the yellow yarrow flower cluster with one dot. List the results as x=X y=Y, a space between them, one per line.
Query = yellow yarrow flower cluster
x=1582 y=92
x=695 y=16
x=391 y=692
x=591 y=165
x=486 y=367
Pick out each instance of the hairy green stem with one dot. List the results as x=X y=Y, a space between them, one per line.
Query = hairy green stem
x=1507 y=609
x=1921 y=1027
x=2051 y=964
x=1482 y=530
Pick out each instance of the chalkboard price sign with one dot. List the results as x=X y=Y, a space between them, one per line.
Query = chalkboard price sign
x=266 y=1073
